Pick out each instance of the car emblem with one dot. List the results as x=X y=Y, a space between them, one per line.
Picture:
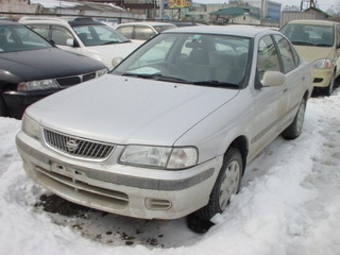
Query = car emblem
x=72 y=145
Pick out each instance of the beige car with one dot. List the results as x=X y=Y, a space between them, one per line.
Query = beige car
x=317 y=41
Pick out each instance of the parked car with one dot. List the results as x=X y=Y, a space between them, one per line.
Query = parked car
x=165 y=137
x=181 y=23
x=139 y=32
x=31 y=68
x=85 y=36
x=317 y=41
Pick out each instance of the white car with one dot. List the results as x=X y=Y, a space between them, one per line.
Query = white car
x=85 y=36
x=140 y=32
x=167 y=135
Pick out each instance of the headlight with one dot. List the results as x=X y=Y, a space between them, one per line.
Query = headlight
x=160 y=157
x=101 y=72
x=322 y=63
x=30 y=127
x=37 y=85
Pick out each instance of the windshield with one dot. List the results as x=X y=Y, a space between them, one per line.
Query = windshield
x=95 y=35
x=162 y=28
x=199 y=59
x=14 y=38
x=312 y=35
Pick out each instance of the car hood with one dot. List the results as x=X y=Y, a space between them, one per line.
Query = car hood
x=115 y=50
x=46 y=63
x=313 y=53
x=106 y=53
x=125 y=110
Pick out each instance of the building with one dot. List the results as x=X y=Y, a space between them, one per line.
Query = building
x=310 y=13
x=18 y=8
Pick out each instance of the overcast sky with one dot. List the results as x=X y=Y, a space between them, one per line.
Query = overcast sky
x=322 y=4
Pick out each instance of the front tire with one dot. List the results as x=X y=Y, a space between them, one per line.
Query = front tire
x=295 y=129
x=227 y=184
x=329 y=90
x=3 y=109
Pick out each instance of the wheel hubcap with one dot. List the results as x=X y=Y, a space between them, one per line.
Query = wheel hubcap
x=229 y=183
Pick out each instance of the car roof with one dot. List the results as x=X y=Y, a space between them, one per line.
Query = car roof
x=148 y=23
x=73 y=21
x=313 y=22
x=237 y=30
x=9 y=22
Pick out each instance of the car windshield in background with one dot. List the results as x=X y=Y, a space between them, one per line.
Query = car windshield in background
x=160 y=29
x=17 y=38
x=95 y=35
x=199 y=59
x=306 y=34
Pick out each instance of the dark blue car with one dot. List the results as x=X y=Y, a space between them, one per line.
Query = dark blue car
x=32 y=68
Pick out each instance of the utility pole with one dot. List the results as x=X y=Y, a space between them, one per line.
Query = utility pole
x=161 y=9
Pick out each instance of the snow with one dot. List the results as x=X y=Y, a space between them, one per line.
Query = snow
x=289 y=204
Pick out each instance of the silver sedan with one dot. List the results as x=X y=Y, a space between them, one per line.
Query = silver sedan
x=170 y=131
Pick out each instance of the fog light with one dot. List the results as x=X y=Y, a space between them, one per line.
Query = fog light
x=157 y=204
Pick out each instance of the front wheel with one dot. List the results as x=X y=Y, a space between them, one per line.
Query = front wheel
x=295 y=129
x=329 y=90
x=227 y=184
x=3 y=110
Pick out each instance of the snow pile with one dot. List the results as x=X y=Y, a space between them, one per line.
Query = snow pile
x=289 y=203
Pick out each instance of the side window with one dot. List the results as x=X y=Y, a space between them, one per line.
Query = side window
x=289 y=57
x=143 y=33
x=60 y=35
x=267 y=58
x=43 y=30
x=126 y=31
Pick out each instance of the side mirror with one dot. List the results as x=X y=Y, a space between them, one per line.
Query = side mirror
x=115 y=61
x=273 y=78
x=70 y=42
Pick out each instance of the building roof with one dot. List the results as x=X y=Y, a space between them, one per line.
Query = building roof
x=236 y=11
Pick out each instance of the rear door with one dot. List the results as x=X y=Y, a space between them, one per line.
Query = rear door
x=295 y=74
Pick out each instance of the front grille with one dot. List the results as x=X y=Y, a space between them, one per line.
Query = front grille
x=69 y=81
x=89 y=76
x=76 y=79
x=78 y=147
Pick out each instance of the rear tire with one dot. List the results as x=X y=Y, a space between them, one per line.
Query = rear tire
x=227 y=184
x=295 y=129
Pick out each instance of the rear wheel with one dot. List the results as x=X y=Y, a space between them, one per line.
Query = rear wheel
x=295 y=129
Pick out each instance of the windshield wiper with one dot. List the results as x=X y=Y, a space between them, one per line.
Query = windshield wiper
x=111 y=42
x=156 y=76
x=215 y=83
x=302 y=43
x=323 y=45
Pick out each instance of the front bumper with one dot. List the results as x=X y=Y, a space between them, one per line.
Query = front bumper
x=322 y=77
x=16 y=102
x=124 y=190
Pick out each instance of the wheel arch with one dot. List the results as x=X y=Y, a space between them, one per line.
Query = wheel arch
x=241 y=143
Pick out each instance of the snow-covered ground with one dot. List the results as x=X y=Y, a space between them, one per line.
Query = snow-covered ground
x=289 y=204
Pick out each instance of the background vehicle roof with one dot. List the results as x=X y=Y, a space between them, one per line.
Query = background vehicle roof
x=237 y=30
x=313 y=22
x=148 y=23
